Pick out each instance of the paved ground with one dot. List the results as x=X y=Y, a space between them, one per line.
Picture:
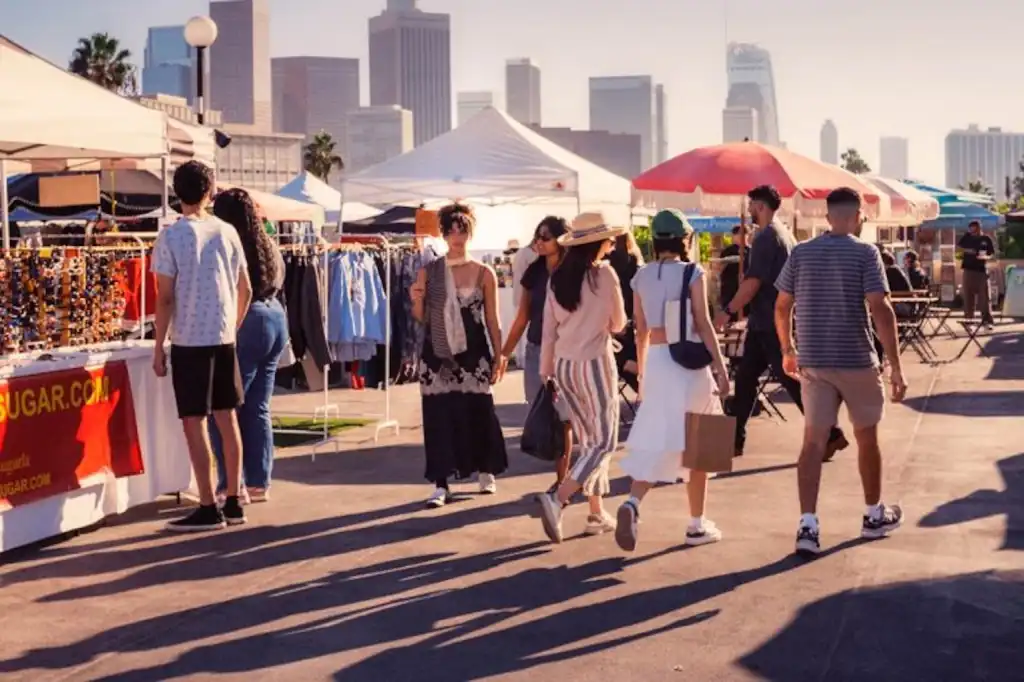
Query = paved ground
x=344 y=576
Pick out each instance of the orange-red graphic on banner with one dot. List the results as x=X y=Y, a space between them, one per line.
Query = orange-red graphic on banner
x=60 y=427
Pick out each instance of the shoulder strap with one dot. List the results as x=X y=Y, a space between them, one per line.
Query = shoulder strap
x=687 y=276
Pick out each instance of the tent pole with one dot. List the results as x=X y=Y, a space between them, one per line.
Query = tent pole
x=5 y=217
x=579 y=204
x=164 y=192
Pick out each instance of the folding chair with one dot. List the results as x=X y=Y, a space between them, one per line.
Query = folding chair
x=971 y=327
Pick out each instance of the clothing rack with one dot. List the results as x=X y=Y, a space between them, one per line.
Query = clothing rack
x=328 y=409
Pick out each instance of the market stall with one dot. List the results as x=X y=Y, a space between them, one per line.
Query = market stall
x=111 y=440
x=310 y=189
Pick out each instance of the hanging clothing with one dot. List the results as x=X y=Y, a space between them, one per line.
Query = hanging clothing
x=303 y=296
x=357 y=307
x=461 y=432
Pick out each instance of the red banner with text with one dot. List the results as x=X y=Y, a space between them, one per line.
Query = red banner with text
x=59 y=427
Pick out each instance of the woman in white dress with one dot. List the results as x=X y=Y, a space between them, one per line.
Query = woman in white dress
x=668 y=390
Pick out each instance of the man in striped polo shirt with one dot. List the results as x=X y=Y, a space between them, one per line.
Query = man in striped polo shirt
x=828 y=280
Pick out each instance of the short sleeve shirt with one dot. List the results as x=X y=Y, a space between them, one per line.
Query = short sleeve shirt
x=829 y=278
x=204 y=257
x=769 y=252
x=979 y=243
x=535 y=281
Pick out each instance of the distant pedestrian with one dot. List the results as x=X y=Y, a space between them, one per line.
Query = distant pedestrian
x=977 y=250
x=827 y=281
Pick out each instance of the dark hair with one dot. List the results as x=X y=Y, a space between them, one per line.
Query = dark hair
x=577 y=266
x=626 y=256
x=888 y=258
x=237 y=208
x=767 y=194
x=843 y=197
x=973 y=223
x=673 y=245
x=193 y=182
x=912 y=257
x=456 y=217
x=556 y=226
x=738 y=228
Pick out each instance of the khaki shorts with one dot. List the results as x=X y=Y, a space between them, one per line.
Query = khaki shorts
x=860 y=389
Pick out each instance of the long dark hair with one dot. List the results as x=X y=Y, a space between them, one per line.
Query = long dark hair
x=236 y=207
x=577 y=266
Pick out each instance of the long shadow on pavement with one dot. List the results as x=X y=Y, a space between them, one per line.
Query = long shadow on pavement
x=967 y=627
x=983 y=504
x=970 y=404
x=1007 y=353
x=460 y=646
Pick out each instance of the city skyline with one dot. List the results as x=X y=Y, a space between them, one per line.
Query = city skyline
x=883 y=70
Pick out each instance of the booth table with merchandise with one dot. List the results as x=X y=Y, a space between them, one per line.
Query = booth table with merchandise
x=85 y=433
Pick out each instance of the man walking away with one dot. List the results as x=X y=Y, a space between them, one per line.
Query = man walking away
x=828 y=280
x=977 y=250
x=203 y=293
x=768 y=254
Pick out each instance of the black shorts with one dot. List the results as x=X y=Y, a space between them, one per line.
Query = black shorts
x=205 y=379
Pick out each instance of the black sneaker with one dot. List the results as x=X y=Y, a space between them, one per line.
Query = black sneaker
x=234 y=515
x=878 y=527
x=807 y=543
x=203 y=518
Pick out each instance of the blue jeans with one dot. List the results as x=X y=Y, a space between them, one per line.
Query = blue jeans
x=261 y=340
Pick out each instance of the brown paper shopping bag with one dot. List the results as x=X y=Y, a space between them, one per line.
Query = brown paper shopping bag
x=710 y=442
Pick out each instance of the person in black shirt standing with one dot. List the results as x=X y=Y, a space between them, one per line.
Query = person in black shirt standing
x=769 y=251
x=731 y=273
x=977 y=250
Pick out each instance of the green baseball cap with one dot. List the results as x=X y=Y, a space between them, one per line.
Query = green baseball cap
x=671 y=223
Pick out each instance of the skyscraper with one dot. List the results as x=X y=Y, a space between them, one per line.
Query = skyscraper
x=894 y=158
x=240 y=75
x=626 y=104
x=989 y=155
x=740 y=124
x=313 y=94
x=829 y=151
x=751 y=84
x=472 y=103
x=410 y=65
x=522 y=91
x=168 y=63
x=660 y=125
x=376 y=134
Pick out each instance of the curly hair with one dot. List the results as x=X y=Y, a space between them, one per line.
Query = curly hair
x=237 y=208
x=457 y=217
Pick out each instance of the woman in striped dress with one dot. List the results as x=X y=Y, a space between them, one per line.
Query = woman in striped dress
x=584 y=310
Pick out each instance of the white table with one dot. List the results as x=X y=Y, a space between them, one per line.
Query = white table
x=164 y=454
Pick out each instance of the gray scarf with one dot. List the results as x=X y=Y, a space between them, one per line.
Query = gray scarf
x=447 y=333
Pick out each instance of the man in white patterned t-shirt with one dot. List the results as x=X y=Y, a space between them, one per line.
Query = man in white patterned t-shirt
x=203 y=293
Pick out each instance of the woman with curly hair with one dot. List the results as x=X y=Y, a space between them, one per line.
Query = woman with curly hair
x=261 y=340
x=456 y=297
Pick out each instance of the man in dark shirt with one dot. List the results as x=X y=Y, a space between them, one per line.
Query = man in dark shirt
x=769 y=252
x=977 y=250
x=731 y=273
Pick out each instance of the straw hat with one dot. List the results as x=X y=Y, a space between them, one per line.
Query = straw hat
x=587 y=228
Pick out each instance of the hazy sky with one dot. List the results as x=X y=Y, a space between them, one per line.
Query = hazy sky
x=910 y=68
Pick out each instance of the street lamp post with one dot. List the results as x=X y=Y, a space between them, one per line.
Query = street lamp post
x=200 y=33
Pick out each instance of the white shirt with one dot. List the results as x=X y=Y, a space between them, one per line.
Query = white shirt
x=204 y=256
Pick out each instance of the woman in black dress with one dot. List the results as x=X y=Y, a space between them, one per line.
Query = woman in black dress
x=456 y=298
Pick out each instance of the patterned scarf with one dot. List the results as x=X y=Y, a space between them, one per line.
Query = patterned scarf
x=447 y=332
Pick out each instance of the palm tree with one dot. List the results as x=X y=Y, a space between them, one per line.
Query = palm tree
x=319 y=158
x=100 y=59
x=854 y=162
x=978 y=187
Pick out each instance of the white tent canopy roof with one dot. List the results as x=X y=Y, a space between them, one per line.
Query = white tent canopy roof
x=310 y=189
x=48 y=113
x=491 y=157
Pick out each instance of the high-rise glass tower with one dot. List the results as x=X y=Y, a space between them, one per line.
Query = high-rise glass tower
x=752 y=84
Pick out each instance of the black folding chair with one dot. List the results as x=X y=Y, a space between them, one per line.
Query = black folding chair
x=971 y=328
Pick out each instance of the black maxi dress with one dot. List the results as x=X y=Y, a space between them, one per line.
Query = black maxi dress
x=461 y=432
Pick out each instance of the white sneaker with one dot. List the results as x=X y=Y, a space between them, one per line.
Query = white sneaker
x=706 y=534
x=440 y=498
x=598 y=524
x=488 y=486
x=551 y=517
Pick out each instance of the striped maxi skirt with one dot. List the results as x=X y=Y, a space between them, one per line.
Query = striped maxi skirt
x=590 y=389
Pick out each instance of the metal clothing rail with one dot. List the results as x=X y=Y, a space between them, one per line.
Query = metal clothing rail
x=328 y=409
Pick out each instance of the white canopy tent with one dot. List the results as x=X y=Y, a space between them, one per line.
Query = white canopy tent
x=310 y=189
x=48 y=113
x=493 y=159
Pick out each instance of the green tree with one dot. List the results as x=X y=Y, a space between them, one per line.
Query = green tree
x=319 y=158
x=978 y=187
x=101 y=59
x=854 y=162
